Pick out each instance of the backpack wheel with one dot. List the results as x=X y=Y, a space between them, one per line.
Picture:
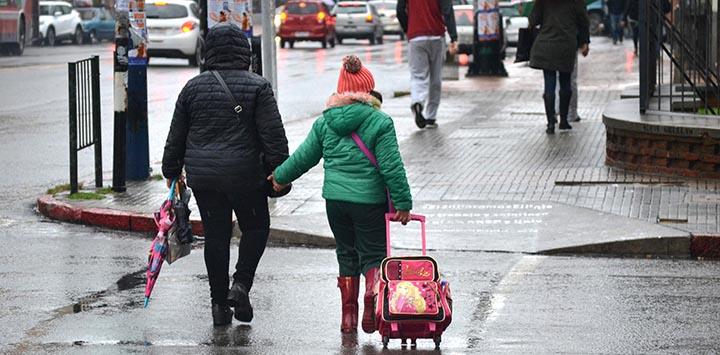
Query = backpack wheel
x=413 y=343
x=385 y=341
x=437 y=341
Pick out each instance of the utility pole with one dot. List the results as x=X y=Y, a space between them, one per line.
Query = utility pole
x=137 y=141
x=269 y=51
x=120 y=99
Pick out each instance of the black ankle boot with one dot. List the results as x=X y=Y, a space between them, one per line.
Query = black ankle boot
x=550 y=113
x=238 y=297
x=222 y=315
x=564 y=108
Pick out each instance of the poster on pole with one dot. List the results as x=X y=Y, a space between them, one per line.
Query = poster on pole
x=138 y=33
x=488 y=21
x=237 y=12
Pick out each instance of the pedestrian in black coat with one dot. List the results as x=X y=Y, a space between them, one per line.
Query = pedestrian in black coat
x=227 y=157
x=564 y=27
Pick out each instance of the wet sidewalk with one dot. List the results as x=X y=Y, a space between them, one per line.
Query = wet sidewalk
x=490 y=179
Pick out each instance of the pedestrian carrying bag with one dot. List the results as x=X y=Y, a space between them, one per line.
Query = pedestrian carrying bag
x=358 y=141
x=413 y=301
x=526 y=38
x=238 y=111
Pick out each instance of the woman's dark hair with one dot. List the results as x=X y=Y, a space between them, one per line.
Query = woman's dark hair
x=377 y=95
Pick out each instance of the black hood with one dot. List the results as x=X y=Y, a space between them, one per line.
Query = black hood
x=227 y=47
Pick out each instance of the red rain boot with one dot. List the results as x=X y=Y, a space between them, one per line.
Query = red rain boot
x=371 y=285
x=349 y=290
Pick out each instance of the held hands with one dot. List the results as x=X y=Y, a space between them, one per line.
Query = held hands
x=276 y=186
x=585 y=49
x=402 y=217
x=453 y=48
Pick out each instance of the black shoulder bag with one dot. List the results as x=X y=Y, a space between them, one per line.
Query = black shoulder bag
x=238 y=110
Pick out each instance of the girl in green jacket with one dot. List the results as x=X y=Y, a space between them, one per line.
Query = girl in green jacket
x=354 y=190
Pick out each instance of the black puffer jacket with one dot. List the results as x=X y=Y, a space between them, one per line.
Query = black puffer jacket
x=219 y=149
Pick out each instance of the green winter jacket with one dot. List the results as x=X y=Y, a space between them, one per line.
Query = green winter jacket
x=349 y=175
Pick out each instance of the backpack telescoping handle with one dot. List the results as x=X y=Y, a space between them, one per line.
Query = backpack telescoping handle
x=413 y=217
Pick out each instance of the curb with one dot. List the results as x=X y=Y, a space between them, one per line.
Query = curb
x=695 y=246
x=57 y=210
x=51 y=208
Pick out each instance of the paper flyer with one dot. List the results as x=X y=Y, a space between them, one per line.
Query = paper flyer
x=138 y=33
x=238 y=12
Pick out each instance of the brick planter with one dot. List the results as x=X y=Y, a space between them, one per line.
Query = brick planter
x=662 y=144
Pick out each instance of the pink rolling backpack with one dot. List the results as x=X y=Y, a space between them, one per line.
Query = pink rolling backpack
x=413 y=301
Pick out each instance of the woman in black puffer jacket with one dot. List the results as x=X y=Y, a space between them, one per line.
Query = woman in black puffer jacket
x=225 y=155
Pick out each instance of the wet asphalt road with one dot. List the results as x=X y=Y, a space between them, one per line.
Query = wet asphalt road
x=504 y=302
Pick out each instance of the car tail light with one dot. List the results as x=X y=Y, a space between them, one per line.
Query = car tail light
x=188 y=26
x=369 y=18
x=321 y=17
x=283 y=17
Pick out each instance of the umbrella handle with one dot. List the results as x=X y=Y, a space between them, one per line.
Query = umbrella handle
x=171 y=194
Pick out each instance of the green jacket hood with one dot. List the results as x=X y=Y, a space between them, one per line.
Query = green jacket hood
x=346 y=112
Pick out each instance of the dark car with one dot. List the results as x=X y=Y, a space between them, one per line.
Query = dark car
x=306 y=20
x=97 y=24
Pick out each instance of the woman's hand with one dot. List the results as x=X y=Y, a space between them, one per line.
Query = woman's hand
x=402 y=217
x=276 y=186
x=585 y=49
x=180 y=181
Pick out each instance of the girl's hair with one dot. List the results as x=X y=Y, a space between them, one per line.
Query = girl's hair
x=377 y=95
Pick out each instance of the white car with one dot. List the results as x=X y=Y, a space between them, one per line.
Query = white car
x=513 y=21
x=59 y=21
x=174 y=30
x=388 y=16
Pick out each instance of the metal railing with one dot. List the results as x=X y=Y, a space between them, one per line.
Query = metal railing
x=84 y=104
x=679 y=56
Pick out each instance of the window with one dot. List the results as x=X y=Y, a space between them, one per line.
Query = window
x=45 y=10
x=464 y=17
x=163 y=10
x=4 y=3
x=384 y=5
x=86 y=14
x=351 y=9
x=509 y=11
x=195 y=10
x=66 y=10
x=302 y=8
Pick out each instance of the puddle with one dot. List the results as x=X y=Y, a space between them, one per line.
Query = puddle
x=129 y=281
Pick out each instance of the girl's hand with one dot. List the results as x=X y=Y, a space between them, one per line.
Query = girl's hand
x=585 y=49
x=402 y=217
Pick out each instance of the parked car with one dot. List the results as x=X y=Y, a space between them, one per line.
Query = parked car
x=97 y=23
x=388 y=17
x=513 y=22
x=359 y=20
x=465 y=30
x=306 y=20
x=58 y=22
x=174 y=30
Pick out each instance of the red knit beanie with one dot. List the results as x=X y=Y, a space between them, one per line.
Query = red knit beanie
x=354 y=77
